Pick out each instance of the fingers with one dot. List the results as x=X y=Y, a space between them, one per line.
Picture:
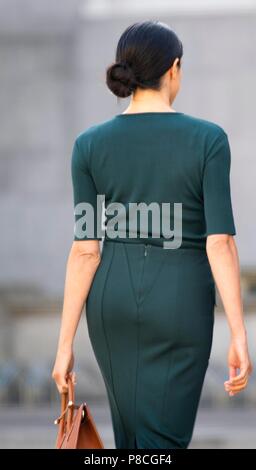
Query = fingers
x=232 y=372
x=237 y=383
x=240 y=377
x=245 y=371
x=62 y=369
x=73 y=377
x=61 y=383
x=234 y=388
x=237 y=390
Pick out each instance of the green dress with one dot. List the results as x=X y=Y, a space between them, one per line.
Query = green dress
x=150 y=310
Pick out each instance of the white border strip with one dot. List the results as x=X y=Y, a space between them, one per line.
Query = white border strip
x=107 y=8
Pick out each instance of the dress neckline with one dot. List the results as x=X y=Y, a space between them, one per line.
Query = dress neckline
x=149 y=113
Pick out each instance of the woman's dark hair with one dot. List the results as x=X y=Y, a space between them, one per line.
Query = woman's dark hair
x=145 y=51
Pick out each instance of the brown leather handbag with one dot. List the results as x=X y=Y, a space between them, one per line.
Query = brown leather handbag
x=77 y=429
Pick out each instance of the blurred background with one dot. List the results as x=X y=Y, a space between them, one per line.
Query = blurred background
x=52 y=86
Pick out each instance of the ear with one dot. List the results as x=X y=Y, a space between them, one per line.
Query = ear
x=176 y=63
x=174 y=67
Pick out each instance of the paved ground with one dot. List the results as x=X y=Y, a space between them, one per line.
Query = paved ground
x=33 y=428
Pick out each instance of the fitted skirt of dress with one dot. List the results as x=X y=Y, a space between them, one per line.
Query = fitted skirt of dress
x=150 y=318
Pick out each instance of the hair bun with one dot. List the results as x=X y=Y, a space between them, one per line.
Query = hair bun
x=120 y=79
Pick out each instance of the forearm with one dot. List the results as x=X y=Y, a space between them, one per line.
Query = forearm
x=224 y=261
x=81 y=268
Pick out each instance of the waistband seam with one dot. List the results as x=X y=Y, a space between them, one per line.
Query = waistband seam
x=142 y=243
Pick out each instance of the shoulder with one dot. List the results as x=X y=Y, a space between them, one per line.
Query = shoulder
x=85 y=137
x=93 y=133
x=211 y=137
x=86 y=141
x=210 y=130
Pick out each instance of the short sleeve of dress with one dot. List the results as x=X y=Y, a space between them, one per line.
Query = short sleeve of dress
x=87 y=201
x=216 y=188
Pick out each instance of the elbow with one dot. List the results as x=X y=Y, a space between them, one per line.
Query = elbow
x=93 y=257
x=219 y=242
x=87 y=251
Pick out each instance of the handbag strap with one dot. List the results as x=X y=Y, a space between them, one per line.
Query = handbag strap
x=71 y=402
x=67 y=407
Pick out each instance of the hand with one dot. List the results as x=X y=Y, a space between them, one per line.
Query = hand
x=238 y=358
x=63 y=366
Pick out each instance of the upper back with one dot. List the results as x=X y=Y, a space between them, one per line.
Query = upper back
x=158 y=157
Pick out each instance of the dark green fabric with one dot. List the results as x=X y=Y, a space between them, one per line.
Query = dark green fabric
x=158 y=157
x=150 y=322
x=150 y=311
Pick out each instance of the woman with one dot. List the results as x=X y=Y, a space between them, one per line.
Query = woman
x=150 y=305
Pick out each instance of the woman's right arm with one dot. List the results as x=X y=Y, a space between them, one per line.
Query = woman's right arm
x=223 y=258
x=83 y=261
x=84 y=257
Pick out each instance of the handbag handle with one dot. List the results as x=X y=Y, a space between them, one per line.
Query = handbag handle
x=67 y=408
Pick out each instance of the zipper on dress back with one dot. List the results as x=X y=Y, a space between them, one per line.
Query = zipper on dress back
x=146 y=248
